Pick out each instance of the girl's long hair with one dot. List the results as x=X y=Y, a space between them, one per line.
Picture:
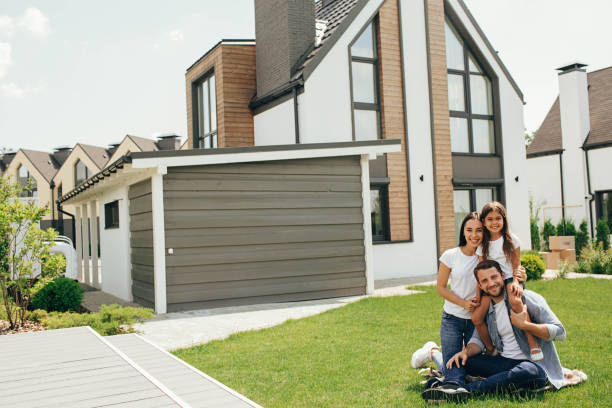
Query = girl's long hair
x=508 y=246
x=470 y=216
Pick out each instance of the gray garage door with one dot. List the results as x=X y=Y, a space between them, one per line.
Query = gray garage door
x=261 y=232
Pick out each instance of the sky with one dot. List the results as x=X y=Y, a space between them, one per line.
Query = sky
x=91 y=72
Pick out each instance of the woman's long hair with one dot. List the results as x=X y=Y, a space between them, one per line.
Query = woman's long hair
x=470 y=216
x=508 y=246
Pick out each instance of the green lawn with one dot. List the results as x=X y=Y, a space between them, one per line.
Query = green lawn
x=359 y=355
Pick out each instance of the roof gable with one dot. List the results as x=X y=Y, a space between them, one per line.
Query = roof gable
x=43 y=162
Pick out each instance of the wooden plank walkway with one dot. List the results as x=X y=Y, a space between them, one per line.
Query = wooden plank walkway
x=76 y=367
x=190 y=384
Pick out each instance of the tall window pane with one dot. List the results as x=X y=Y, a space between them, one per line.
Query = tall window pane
x=363 y=82
x=454 y=49
x=207 y=113
x=364 y=46
x=459 y=135
x=480 y=94
x=483 y=196
x=456 y=94
x=366 y=124
x=461 y=203
x=81 y=173
x=473 y=65
x=483 y=134
x=213 y=104
x=376 y=213
x=205 y=105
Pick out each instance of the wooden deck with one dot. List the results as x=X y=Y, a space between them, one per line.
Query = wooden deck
x=78 y=368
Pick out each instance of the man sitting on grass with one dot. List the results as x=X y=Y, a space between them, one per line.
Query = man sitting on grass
x=511 y=369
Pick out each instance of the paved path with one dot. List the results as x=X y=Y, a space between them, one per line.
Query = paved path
x=183 y=329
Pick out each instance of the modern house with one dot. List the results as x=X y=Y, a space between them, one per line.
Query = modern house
x=570 y=158
x=421 y=72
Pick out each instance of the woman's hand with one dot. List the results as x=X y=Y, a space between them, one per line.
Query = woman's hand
x=520 y=274
x=471 y=304
x=515 y=289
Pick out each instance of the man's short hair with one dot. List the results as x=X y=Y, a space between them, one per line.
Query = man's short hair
x=487 y=264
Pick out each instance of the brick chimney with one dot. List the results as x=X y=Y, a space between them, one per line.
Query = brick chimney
x=168 y=142
x=575 y=127
x=61 y=153
x=285 y=32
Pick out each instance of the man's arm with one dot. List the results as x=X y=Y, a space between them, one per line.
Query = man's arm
x=520 y=321
x=541 y=314
x=461 y=357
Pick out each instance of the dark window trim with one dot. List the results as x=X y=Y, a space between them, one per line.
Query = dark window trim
x=472 y=189
x=599 y=206
x=375 y=62
x=88 y=172
x=108 y=210
x=195 y=108
x=383 y=187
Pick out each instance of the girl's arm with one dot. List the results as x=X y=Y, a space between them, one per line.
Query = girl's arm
x=515 y=287
x=443 y=275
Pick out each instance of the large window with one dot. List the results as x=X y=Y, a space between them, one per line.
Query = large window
x=604 y=206
x=111 y=215
x=379 y=212
x=470 y=99
x=467 y=200
x=81 y=173
x=30 y=189
x=364 y=85
x=207 y=113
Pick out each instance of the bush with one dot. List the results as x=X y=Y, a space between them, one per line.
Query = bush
x=594 y=259
x=535 y=234
x=547 y=231
x=59 y=295
x=565 y=228
x=603 y=234
x=582 y=237
x=534 y=265
x=110 y=320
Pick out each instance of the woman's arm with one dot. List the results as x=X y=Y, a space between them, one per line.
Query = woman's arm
x=443 y=275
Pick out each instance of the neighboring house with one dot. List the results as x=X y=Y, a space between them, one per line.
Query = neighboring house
x=35 y=169
x=421 y=72
x=570 y=158
x=141 y=144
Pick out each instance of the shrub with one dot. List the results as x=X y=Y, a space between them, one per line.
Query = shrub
x=603 y=234
x=547 y=231
x=565 y=268
x=534 y=265
x=110 y=320
x=582 y=237
x=59 y=295
x=535 y=234
x=594 y=259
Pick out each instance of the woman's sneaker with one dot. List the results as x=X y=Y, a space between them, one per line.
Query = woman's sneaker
x=423 y=355
x=446 y=392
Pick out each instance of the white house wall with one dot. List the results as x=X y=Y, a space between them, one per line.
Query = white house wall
x=115 y=247
x=513 y=130
x=276 y=125
x=600 y=167
x=545 y=186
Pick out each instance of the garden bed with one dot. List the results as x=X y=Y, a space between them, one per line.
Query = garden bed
x=29 y=326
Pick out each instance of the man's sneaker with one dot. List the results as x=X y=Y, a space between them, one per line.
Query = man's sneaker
x=423 y=355
x=446 y=392
x=434 y=382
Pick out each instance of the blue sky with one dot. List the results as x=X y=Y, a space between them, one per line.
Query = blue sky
x=91 y=71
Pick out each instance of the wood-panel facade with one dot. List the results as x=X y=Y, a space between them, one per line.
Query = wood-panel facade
x=392 y=118
x=234 y=69
x=141 y=243
x=263 y=232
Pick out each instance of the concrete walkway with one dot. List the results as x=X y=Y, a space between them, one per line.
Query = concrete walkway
x=184 y=329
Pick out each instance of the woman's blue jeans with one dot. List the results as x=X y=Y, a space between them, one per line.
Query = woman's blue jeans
x=455 y=332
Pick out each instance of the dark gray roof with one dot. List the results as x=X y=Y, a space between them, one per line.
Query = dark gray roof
x=99 y=155
x=145 y=145
x=548 y=136
x=43 y=162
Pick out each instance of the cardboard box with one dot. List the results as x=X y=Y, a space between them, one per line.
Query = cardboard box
x=551 y=259
x=568 y=255
x=561 y=243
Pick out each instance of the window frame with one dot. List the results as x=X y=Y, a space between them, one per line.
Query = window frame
x=109 y=221
x=467 y=96
x=497 y=191
x=383 y=188
x=27 y=192
x=599 y=206
x=198 y=124
x=375 y=61
x=88 y=172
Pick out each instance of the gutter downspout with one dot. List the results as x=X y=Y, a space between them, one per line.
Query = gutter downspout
x=562 y=191
x=591 y=196
x=52 y=186
x=296 y=115
x=59 y=210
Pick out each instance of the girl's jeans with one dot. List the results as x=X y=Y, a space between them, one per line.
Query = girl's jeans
x=455 y=332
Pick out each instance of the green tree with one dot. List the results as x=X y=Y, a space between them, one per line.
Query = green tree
x=582 y=237
x=25 y=251
x=535 y=234
x=547 y=231
x=603 y=234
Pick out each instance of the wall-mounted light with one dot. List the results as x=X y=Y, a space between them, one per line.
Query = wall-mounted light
x=421 y=177
x=516 y=179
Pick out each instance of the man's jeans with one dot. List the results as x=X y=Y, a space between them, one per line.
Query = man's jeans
x=503 y=374
x=454 y=333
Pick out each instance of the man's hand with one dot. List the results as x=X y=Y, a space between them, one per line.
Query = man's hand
x=461 y=356
x=519 y=319
x=471 y=304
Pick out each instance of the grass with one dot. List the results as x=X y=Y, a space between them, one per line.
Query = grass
x=359 y=355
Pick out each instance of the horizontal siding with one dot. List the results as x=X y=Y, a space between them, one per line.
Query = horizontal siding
x=141 y=242
x=261 y=232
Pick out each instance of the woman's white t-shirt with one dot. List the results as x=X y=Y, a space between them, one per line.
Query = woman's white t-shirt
x=462 y=281
x=496 y=253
